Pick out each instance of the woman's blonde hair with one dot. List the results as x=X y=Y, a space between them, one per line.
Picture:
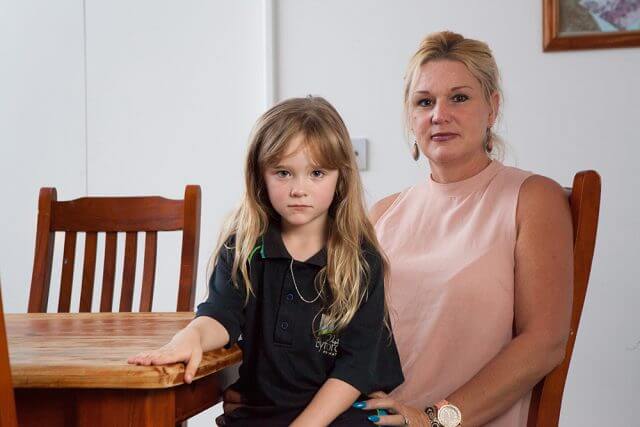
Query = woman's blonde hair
x=343 y=281
x=478 y=59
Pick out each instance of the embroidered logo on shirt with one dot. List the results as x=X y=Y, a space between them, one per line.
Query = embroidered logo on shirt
x=327 y=341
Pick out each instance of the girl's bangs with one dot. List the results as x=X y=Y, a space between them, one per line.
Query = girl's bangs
x=325 y=149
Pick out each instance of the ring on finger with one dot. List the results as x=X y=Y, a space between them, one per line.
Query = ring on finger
x=406 y=420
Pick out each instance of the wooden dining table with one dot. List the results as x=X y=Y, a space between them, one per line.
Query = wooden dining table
x=72 y=370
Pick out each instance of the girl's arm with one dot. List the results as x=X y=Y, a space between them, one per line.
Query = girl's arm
x=333 y=398
x=218 y=323
x=202 y=334
x=367 y=358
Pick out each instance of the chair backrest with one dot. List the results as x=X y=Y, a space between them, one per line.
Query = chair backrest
x=7 y=401
x=113 y=215
x=584 y=198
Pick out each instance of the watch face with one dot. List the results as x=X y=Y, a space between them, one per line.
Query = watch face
x=449 y=416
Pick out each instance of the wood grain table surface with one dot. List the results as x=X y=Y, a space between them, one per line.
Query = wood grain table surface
x=71 y=369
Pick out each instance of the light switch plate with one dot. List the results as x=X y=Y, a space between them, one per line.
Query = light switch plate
x=361 y=152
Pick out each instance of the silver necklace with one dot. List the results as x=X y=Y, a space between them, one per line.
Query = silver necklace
x=295 y=285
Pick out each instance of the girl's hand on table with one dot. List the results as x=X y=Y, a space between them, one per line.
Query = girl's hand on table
x=184 y=347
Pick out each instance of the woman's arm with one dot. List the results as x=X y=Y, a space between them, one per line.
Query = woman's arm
x=543 y=298
x=334 y=397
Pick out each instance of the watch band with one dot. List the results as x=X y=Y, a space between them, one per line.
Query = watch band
x=432 y=413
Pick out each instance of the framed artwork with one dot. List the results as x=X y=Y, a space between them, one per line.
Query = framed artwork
x=590 y=24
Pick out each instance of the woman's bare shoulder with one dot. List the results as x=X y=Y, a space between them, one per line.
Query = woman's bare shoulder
x=381 y=206
x=542 y=192
x=542 y=199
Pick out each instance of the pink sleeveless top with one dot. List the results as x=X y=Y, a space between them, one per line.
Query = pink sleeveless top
x=451 y=289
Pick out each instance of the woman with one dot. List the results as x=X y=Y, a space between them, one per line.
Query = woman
x=481 y=278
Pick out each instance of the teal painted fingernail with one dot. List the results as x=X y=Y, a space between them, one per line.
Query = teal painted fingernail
x=360 y=405
x=373 y=418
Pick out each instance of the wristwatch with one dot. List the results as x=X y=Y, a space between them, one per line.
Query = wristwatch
x=448 y=414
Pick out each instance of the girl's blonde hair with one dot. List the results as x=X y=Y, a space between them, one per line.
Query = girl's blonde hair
x=478 y=59
x=343 y=281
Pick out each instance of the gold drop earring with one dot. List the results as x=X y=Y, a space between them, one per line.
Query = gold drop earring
x=415 y=152
x=488 y=145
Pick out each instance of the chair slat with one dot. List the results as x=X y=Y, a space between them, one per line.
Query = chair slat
x=149 y=272
x=89 y=271
x=129 y=271
x=66 y=280
x=109 y=271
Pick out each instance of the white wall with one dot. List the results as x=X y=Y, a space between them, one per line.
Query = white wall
x=170 y=104
x=42 y=127
x=143 y=97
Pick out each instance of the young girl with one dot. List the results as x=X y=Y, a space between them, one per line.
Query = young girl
x=297 y=282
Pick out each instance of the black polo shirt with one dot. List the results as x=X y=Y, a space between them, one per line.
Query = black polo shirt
x=283 y=362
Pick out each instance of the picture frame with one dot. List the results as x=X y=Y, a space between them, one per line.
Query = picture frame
x=590 y=24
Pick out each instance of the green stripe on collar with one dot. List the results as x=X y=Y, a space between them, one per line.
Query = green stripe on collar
x=259 y=247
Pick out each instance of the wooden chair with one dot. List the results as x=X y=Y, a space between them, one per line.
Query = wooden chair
x=584 y=198
x=111 y=215
x=8 y=416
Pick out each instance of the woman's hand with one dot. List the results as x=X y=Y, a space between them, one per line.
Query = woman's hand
x=184 y=347
x=399 y=413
